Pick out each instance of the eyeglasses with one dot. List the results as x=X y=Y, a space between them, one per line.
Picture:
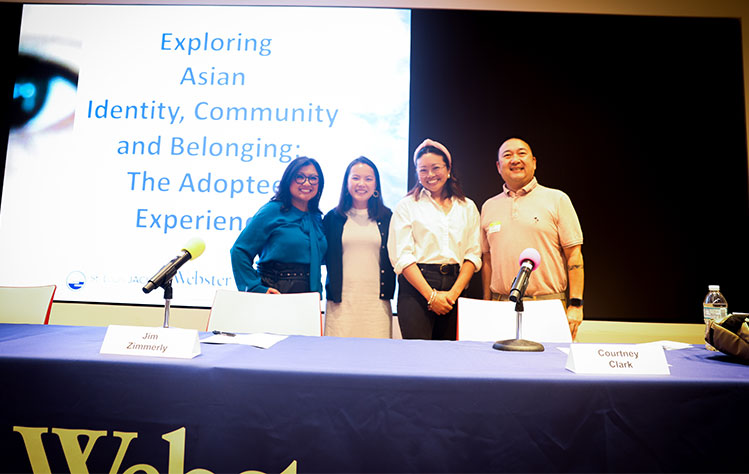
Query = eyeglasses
x=434 y=169
x=313 y=180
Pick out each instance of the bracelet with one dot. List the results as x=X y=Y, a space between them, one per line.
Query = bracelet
x=431 y=298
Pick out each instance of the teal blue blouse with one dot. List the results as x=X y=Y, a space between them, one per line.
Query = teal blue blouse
x=292 y=236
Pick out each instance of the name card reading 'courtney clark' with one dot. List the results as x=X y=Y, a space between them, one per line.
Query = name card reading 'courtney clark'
x=154 y=342
x=618 y=359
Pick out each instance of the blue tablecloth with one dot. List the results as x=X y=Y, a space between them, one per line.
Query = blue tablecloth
x=360 y=405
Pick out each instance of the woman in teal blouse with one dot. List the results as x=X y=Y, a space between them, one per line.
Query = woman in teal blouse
x=287 y=234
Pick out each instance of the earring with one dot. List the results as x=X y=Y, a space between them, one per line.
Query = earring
x=376 y=194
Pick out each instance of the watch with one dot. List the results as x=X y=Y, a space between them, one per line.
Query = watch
x=576 y=302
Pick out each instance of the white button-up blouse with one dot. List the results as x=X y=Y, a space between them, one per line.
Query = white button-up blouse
x=421 y=232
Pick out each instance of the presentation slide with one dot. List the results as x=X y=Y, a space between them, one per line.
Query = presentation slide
x=138 y=128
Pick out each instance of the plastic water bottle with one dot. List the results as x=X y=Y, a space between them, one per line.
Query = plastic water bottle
x=715 y=307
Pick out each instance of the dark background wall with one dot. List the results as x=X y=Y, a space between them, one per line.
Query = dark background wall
x=640 y=120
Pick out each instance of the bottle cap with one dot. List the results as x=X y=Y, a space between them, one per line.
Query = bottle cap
x=713 y=287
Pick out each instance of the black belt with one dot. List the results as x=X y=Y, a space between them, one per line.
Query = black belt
x=442 y=268
x=284 y=270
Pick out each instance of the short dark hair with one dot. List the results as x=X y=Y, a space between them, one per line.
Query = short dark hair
x=283 y=195
x=452 y=186
x=513 y=137
x=375 y=206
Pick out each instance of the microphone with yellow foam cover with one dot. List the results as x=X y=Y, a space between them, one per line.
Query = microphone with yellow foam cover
x=193 y=249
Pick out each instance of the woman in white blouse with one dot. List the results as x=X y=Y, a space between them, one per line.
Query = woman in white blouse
x=434 y=246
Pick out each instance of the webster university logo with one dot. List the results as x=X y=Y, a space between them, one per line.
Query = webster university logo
x=77 y=445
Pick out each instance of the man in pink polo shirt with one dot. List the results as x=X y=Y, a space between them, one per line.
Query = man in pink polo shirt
x=525 y=215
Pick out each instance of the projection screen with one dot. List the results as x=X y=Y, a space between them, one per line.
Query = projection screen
x=142 y=127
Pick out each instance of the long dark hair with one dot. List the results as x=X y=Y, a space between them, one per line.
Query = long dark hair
x=375 y=206
x=452 y=185
x=283 y=195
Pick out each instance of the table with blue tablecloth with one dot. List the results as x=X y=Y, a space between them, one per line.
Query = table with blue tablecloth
x=325 y=404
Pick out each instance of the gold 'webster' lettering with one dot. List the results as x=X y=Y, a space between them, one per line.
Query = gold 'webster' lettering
x=77 y=457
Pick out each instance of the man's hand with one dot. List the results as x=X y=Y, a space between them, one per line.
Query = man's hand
x=574 y=319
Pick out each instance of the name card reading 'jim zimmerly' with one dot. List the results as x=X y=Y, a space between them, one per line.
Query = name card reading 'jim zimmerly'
x=617 y=359
x=148 y=341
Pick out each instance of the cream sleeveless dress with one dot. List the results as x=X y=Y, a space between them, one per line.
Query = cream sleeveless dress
x=361 y=312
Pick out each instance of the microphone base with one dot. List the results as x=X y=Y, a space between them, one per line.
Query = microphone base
x=518 y=345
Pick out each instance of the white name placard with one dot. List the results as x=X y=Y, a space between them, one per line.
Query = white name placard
x=153 y=342
x=617 y=359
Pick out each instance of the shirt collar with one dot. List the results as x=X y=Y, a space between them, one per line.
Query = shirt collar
x=426 y=193
x=522 y=191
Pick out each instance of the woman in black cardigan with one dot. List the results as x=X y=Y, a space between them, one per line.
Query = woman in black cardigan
x=360 y=281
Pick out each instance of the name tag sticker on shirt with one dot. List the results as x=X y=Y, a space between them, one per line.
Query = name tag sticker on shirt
x=494 y=227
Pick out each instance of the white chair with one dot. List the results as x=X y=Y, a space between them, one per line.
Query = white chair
x=543 y=321
x=26 y=304
x=244 y=312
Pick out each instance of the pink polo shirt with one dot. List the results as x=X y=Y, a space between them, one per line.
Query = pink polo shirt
x=537 y=217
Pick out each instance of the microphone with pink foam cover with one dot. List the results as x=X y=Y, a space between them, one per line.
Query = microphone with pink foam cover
x=532 y=255
x=529 y=260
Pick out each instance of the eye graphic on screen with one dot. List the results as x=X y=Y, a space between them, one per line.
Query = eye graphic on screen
x=43 y=95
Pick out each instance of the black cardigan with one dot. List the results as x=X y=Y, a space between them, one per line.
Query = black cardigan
x=333 y=224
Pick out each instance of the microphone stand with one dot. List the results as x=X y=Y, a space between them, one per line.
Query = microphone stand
x=167 y=300
x=518 y=344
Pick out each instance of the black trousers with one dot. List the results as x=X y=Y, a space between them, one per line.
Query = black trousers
x=414 y=319
x=285 y=277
